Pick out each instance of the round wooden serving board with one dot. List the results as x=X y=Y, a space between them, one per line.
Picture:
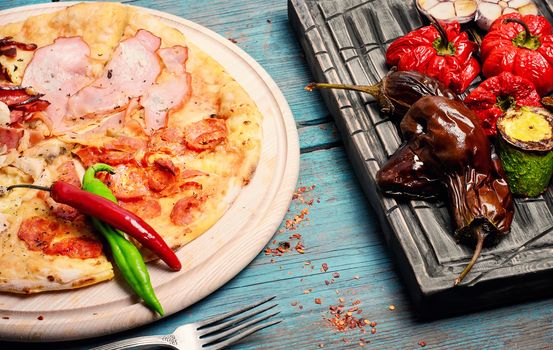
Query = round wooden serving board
x=210 y=260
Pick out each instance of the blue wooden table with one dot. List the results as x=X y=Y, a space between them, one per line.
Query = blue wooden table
x=340 y=230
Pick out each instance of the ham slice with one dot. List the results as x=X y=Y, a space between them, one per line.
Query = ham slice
x=133 y=67
x=58 y=71
x=171 y=92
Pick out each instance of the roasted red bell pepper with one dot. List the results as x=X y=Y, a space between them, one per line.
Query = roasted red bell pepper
x=495 y=95
x=440 y=51
x=522 y=45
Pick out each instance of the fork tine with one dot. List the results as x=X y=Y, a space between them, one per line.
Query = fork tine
x=241 y=336
x=214 y=338
x=217 y=318
x=206 y=331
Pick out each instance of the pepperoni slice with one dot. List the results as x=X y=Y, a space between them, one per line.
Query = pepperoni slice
x=126 y=143
x=163 y=177
x=37 y=232
x=147 y=208
x=91 y=155
x=165 y=140
x=67 y=173
x=76 y=247
x=184 y=210
x=128 y=182
x=205 y=134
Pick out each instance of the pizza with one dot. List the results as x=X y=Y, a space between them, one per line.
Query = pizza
x=108 y=83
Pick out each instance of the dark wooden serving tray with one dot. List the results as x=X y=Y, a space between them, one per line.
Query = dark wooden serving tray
x=345 y=41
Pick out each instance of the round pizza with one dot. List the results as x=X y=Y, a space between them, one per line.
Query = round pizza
x=123 y=89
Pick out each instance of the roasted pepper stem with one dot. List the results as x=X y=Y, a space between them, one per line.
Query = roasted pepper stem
x=442 y=45
x=525 y=39
x=477 y=251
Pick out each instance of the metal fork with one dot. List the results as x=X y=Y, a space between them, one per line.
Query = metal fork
x=212 y=334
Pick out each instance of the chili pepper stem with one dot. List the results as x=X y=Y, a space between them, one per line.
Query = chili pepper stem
x=373 y=90
x=475 y=256
x=34 y=187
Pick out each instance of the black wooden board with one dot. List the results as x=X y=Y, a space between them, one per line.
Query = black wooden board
x=345 y=42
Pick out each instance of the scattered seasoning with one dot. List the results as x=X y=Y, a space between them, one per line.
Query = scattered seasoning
x=5 y=318
x=343 y=320
x=292 y=224
x=232 y=40
x=307 y=291
x=356 y=277
x=392 y=307
x=40 y=318
x=336 y=275
x=110 y=72
x=269 y=21
x=318 y=301
x=324 y=267
x=422 y=343
x=294 y=303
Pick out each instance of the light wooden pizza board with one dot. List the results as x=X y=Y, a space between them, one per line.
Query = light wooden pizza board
x=210 y=260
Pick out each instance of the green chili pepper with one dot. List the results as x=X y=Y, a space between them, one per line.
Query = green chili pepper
x=125 y=254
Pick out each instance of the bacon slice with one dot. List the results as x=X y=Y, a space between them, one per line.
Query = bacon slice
x=147 y=208
x=169 y=94
x=133 y=67
x=205 y=134
x=76 y=247
x=37 y=232
x=21 y=101
x=58 y=71
x=183 y=211
x=10 y=137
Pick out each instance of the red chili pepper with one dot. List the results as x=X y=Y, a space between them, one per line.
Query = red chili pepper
x=110 y=213
x=440 y=51
x=495 y=95
x=522 y=45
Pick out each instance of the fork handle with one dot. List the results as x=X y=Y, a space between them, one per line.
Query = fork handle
x=138 y=343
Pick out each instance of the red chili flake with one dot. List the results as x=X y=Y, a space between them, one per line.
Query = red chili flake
x=327 y=282
x=373 y=324
x=324 y=267
x=307 y=291
x=299 y=248
x=40 y=318
x=232 y=40
x=422 y=343
x=295 y=236
x=5 y=318
x=336 y=275
x=373 y=331
x=294 y=303
x=318 y=301
x=321 y=345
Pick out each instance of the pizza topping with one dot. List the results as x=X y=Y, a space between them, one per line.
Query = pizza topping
x=10 y=137
x=128 y=183
x=162 y=97
x=174 y=58
x=184 y=210
x=37 y=232
x=68 y=173
x=169 y=93
x=58 y=71
x=20 y=101
x=76 y=247
x=163 y=177
x=8 y=48
x=205 y=134
x=147 y=208
x=133 y=67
